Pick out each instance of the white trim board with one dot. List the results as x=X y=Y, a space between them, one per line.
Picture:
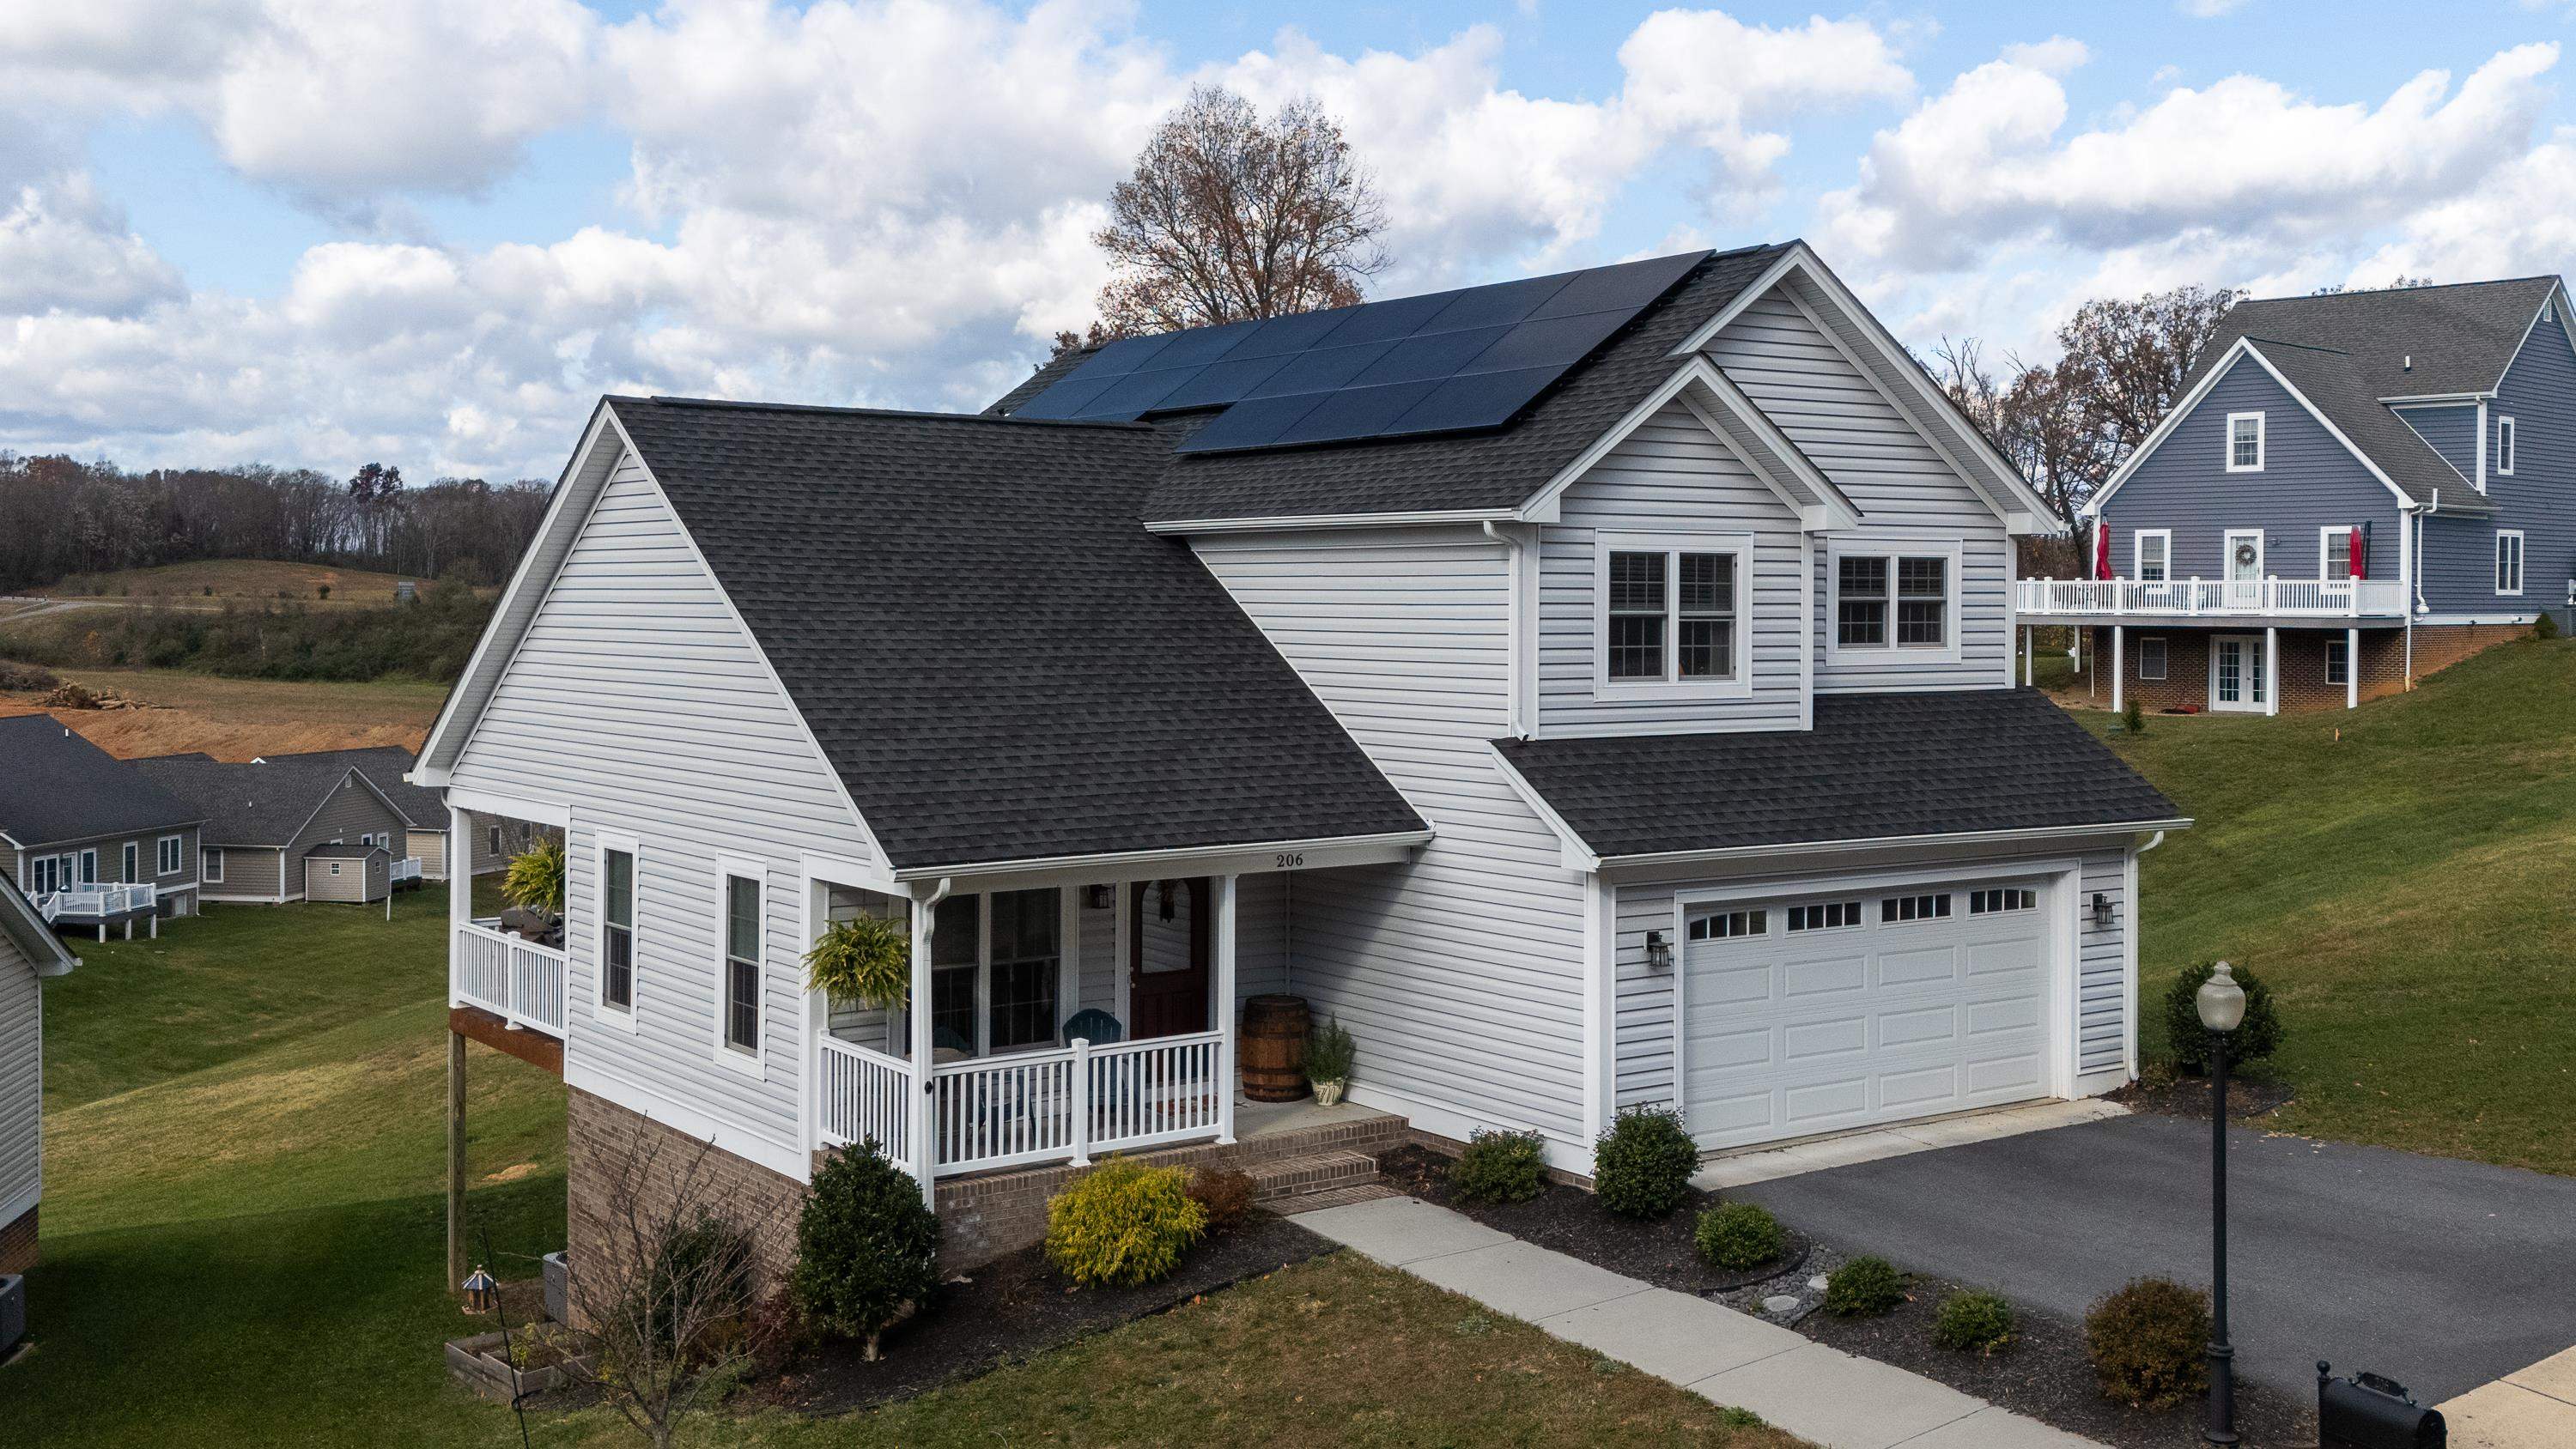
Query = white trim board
x=1777 y=462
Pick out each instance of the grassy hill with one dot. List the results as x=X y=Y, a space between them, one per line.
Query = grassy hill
x=2402 y=876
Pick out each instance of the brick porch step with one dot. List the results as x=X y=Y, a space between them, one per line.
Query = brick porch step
x=1315 y=1172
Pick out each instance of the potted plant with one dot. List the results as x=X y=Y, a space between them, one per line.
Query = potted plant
x=534 y=882
x=1328 y=1061
x=865 y=959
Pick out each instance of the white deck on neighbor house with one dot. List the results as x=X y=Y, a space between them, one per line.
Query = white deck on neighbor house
x=2180 y=601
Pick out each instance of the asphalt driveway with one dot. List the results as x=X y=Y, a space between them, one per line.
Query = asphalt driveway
x=2440 y=1274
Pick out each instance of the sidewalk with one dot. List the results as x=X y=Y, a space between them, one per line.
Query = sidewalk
x=2532 y=1408
x=1815 y=1392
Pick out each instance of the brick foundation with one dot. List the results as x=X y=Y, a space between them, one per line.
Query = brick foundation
x=18 y=1244
x=2303 y=685
x=603 y=1138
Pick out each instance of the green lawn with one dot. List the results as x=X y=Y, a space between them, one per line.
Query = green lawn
x=2401 y=875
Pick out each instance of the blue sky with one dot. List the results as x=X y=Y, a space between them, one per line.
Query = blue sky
x=433 y=232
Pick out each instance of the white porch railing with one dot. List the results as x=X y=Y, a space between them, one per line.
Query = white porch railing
x=97 y=901
x=512 y=977
x=407 y=868
x=2221 y=598
x=1028 y=1107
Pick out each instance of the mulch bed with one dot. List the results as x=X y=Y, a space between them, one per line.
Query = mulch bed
x=1574 y=1223
x=2045 y=1375
x=2189 y=1097
x=1014 y=1308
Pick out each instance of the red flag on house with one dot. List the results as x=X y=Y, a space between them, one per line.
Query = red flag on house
x=2101 y=548
x=2360 y=554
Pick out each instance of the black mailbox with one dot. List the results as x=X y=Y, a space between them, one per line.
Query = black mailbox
x=2368 y=1411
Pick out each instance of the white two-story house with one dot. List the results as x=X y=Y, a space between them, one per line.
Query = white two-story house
x=1593 y=691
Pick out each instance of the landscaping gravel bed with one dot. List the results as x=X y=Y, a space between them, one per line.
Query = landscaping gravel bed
x=1016 y=1307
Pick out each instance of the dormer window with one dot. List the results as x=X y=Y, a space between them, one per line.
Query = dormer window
x=2505 y=431
x=2244 y=442
x=1673 y=612
x=1894 y=603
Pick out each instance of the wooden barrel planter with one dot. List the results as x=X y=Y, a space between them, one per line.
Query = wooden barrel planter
x=1273 y=1049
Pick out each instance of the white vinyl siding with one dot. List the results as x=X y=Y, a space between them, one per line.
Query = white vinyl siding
x=639 y=703
x=22 y=1080
x=1459 y=973
x=1904 y=490
x=1668 y=483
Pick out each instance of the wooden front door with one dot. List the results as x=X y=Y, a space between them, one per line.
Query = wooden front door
x=1167 y=957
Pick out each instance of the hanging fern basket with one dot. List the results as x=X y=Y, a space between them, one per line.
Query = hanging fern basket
x=865 y=960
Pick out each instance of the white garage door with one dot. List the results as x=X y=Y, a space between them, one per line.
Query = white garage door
x=1816 y=1013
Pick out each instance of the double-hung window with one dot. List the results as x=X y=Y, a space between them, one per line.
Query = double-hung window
x=210 y=864
x=742 y=964
x=2508 y=559
x=1899 y=603
x=2154 y=548
x=1673 y=612
x=617 y=929
x=2244 y=442
x=2338 y=662
x=2505 y=437
x=2334 y=554
x=168 y=856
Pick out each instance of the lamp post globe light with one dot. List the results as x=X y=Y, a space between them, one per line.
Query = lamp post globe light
x=2221 y=1003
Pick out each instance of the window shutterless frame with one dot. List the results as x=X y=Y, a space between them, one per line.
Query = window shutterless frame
x=616 y=879
x=171 y=855
x=2244 y=443
x=1673 y=615
x=2151 y=554
x=740 y=984
x=130 y=861
x=2506 y=436
x=2151 y=658
x=2508 y=561
x=210 y=864
x=1903 y=596
x=2334 y=552
x=2338 y=663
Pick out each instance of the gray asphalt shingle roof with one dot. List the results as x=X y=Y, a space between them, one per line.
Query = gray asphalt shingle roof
x=1874 y=767
x=247 y=804
x=2459 y=338
x=345 y=850
x=998 y=661
x=2334 y=382
x=422 y=807
x=56 y=786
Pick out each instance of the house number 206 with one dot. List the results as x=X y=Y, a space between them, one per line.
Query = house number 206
x=1288 y=860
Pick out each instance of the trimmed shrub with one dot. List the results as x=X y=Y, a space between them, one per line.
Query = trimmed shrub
x=2146 y=1341
x=1864 y=1288
x=1122 y=1224
x=1974 y=1323
x=699 y=1273
x=1738 y=1235
x=2133 y=719
x=2546 y=626
x=867 y=1247
x=1225 y=1194
x=2258 y=1037
x=1498 y=1166
x=1641 y=1166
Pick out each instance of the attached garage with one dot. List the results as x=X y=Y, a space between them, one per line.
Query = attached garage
x=1830 y=1009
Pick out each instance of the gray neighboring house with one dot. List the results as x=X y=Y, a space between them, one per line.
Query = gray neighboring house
x=424 y=810
x=29 y=952
x=263 y=820
x=2355 y=490
x=93 y=842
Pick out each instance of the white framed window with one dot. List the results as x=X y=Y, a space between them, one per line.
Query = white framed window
x=2153 y=548
x=996 y=971
x=2334 y=553
x=172 y=855
x=738 y=936
x=335 y=867
x=1896 y=909
x=2338 y=662
x=613 y=886
x=2001 y=899
x=210 y=864
x=1729 y=925
x=2151 y=657
x=1673 y=613
x=130 y=862
x=495 y=834
x=2505 y=432
x=2508 y=561
x=48 y=874
x=88 y=867
x=1893 y=602
x=1825 y=916
x=2244 y=442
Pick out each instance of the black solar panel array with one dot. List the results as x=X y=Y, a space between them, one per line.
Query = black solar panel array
x=1441 y=363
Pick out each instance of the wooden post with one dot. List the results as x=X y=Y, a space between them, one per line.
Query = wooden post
x=455 y=1159
x=1225 y=1014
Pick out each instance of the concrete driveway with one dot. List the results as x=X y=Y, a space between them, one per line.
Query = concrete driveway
x=2443 y=1275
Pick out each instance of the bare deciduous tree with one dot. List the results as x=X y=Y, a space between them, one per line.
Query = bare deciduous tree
x=665 y=1295
x=1230 y=216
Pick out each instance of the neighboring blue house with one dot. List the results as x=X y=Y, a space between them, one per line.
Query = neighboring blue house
x=2355 y=490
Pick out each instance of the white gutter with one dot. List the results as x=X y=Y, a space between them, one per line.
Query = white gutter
x=1154 y=857
x=1888 y=842
x=1279 y=522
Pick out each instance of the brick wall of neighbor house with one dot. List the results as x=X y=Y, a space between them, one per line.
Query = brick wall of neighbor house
x=2303 y=663
x=18 y=1243
x=604 y=1139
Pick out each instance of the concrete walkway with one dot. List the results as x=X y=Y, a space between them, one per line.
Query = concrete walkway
x=2531 y=1408
x=1814 y=1392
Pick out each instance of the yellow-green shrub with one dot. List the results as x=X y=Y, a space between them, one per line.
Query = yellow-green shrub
x=1122 y=1224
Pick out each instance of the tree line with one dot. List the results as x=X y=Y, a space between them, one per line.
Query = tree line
x=60 y=516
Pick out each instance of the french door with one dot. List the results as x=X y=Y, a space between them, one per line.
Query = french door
x=2236 y=680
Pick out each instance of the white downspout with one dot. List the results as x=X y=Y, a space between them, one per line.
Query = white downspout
x=2129 y=945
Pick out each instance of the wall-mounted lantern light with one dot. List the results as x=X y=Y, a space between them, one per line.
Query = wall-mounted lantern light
x=1659 y=952
x=1100 y=897
x=2101 y=910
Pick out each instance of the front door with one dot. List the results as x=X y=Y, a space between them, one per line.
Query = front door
x=2244 y=568
x=2236 y=672
x=1167 y=957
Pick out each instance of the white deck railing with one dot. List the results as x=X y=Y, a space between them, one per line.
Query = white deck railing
x=2219 y=598
x=407 y=868
x=1029 y=1107
x=512 y=977
x=97 y=902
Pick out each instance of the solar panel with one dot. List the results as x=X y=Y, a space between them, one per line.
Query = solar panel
x=1443 y=362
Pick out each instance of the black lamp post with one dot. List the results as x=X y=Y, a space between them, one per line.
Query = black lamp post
x=2221 y=1003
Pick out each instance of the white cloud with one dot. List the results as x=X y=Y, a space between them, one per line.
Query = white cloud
x=2210 y=9
x=63 y=247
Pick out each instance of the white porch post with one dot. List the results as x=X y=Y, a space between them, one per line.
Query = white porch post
x=924 y=1132
x=460 y=893
x=2352 y=667
x=2272 y=669
x=1225 y=1014
x=2119 y=663
x=2029 y=654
